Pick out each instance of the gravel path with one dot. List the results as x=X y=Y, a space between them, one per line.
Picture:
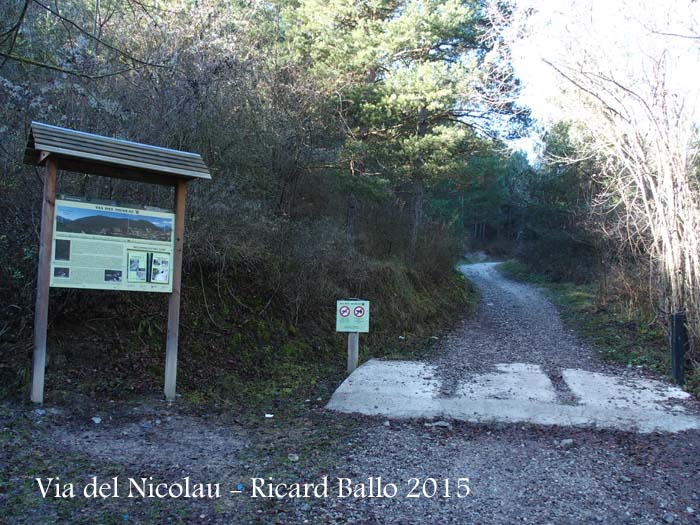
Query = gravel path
x=514 y=323
x=519 y=474
x=516 y=473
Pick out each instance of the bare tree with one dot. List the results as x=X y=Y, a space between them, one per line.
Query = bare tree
x=620 y=72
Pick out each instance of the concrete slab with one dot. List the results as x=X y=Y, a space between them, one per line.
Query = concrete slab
x=512 y=381
x=515 y=393
x=595 y=389
x=396 y=388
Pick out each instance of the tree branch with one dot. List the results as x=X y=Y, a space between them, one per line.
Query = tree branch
x=120 y=52
x=14 y=31
x=32 y=62
x=584 y=89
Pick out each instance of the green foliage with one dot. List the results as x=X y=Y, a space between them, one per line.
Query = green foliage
x=692 y=383
x=520 y=272
x=404 y=75
x=374 y=189
x=486 y=191
x=557 y=199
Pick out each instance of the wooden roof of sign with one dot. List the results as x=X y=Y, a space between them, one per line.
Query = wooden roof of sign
x=88 y=153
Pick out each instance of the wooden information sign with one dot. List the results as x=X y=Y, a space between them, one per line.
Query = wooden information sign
x=144 y=246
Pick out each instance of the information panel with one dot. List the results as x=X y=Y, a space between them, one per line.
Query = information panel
x=352 y=316
x=112 y=248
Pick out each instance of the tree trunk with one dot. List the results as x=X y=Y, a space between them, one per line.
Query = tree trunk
x=418 y=190
x=417 y=218
x=351 y=218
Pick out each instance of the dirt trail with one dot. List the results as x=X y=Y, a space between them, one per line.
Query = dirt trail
x=518 y=473
x=514 y=362
x=514 y=322
x=527 y=473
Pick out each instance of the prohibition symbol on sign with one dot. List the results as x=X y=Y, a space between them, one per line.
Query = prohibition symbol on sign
x=352 y=315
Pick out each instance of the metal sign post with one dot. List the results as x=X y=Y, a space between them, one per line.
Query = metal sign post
x=679 y=339
x=352 y=316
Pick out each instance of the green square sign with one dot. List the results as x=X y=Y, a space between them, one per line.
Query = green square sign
x=352 y=316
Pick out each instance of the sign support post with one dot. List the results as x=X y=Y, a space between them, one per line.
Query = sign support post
x=353 y=350
x=43 y=277
x=174 y=301
x=352 y=316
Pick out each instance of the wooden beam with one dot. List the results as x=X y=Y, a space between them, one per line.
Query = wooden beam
x=116 y=172
x=43 y=278
x=174 y=302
